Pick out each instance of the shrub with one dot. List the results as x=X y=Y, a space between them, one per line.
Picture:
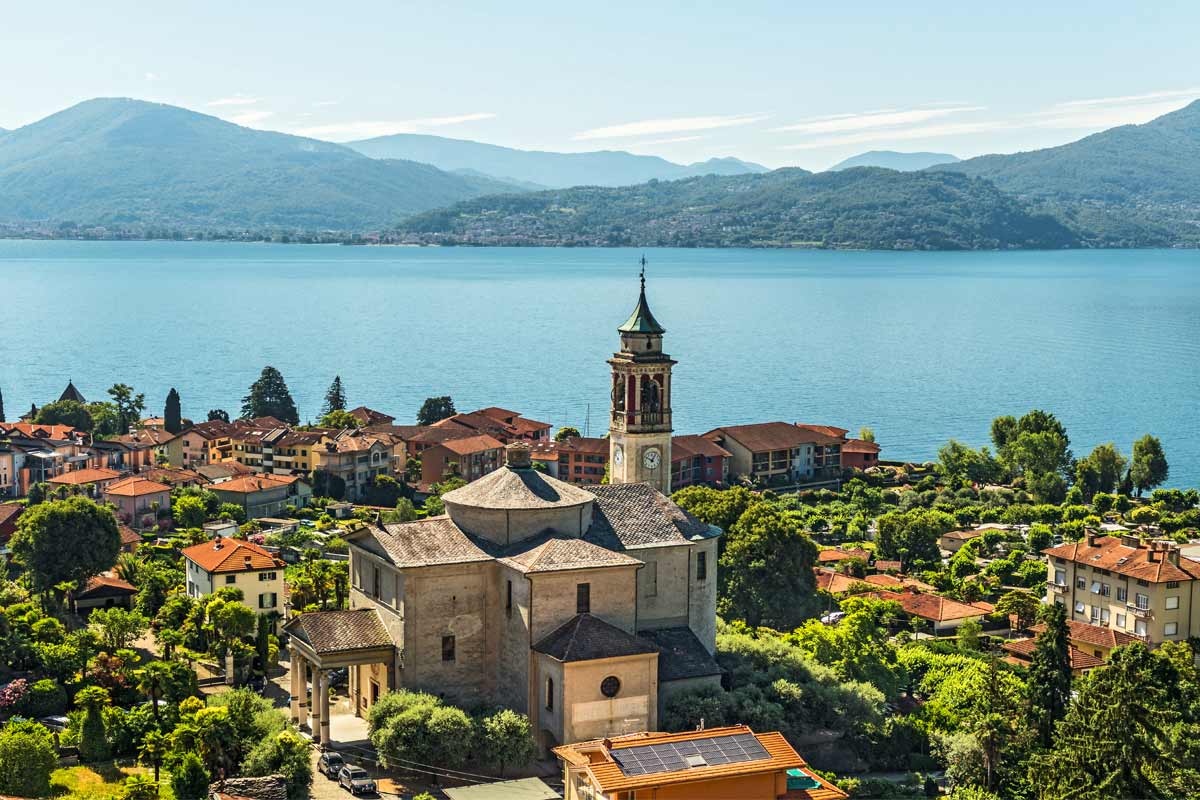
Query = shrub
x=189 y=778
x=27 y=757
x=43 y=699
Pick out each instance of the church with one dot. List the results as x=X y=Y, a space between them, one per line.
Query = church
x=582 y=608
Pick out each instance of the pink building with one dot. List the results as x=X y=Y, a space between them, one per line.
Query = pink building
x=135 y=497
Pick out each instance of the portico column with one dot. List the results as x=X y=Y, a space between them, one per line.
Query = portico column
x=323 y=677
x=314 y=708
x=297 y=686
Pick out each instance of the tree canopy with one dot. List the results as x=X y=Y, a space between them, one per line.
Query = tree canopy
x=66 y=540
x=269 y=397
x=435 y=409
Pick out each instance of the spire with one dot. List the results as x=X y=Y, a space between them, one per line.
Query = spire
x=641 y=320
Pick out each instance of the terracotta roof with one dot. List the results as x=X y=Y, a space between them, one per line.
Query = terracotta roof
x=128 y=535
x=764 y=436
x=468 y=445
x=9 y=513
x=1093 y=634
x=860 y=446
x=1108 y=552
x=838 y=554
x=509 y=488
x=587 y=638
x=102 y=585
x=680 y=654
x=135 y=486
x=1080 y=660
x=369 y=416
x=963 y=535
x=231 y=555
x=253 y=483
x=81 y=476
x=935 y=607
x=555 y=554
x=631 y=515
x=423 y=543
x=607 y=774
x=831 y=432
x=337 y=631
x=223 y=469
x=691 y=445
x=34 y=430
x=586 y=445
x=173 y=477
x=886 y=564
x=212 y=429
x=837 y=583
x=430 y=434
x=147 y=437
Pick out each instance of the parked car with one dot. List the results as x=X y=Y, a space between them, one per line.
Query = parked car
x=356 y=780
x=330 y=764
x=339 y=677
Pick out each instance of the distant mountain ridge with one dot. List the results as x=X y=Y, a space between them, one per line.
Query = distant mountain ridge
x=128 y=162
x=1130 y=185
x=859 y=208
x=543 y=168
x=892 y=159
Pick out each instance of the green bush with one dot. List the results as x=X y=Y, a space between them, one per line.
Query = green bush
x=189 y=778
x=44 y=698
x=27 y=757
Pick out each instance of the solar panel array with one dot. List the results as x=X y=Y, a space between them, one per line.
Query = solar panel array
x=650 y=759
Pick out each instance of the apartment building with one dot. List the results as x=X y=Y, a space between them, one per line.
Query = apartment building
x=1145 y=589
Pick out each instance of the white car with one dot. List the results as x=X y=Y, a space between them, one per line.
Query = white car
x=356 y=780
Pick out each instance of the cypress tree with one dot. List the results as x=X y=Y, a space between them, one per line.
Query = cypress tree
x=1050 y=674
x=2 y=406
x=335 y=398
x=269 y=397
x=172 y=415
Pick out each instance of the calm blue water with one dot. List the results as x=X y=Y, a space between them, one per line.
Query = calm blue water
x=918 y=346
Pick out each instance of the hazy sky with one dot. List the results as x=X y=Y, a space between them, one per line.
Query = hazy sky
x=781 y=83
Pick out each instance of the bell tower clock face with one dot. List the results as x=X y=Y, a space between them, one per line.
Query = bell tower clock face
x=618 y=455
x=651 y=458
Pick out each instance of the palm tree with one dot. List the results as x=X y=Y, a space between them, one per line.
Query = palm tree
x=153 y=750
x=139 y=787
x=128 y=567
x=152 y=682
x=168 y=640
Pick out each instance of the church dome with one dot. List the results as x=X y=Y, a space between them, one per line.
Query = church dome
x=516 y=502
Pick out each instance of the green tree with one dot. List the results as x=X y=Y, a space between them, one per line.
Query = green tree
x=767 y=571
x=339 y=419
x=189 y=511
x=968 y=635
x=153 y=750
x=335 y=398
x=1107 y=465
x=911 y=537
x=71 y=413
x=27 y=757
x=232 y=511
x=173 y=413
x=507 y=740
x=106 y=420
x=269 y=397
x=189 y=778
x=720 y=507
x=286 y=754
x=956 y=460
x=117 y=627
x=218 y=415
x=1021 y=607
x=405 y=511
x=66 y=540
x=566 y=432
x=866 y=434
x=93 y=738
x=435 y=409
x=1149 y=467
x=129 y=405
x=1050 y=674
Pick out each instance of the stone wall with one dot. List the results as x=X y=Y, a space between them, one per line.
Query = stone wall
x=662 y=587
x=612 y=597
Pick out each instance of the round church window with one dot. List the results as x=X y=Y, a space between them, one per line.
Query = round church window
x=610 y=686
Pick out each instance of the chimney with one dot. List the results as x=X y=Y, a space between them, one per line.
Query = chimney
x=1172 y=553
x=518 y=456
x=1130 y=540
x=1152 y=553
x=1092 y=536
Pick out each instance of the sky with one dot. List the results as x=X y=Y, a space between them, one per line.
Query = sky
x=779 y=83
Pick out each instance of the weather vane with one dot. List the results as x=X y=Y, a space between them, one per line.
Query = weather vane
x=643 y=272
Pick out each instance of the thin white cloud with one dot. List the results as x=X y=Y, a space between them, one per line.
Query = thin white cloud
x=873 y=119
x=155 y=76
x=904 y=134
x=250 y=118
x=655 y=127
x=672 y=140
x=234 y=100
x=366 y=129
x=1132 y=99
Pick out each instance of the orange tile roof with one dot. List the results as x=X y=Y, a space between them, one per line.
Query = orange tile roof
x=231 y=555
x=81 y=476
x=135 y=486
x=128 y=535
x=588 y=445
x=690 y=445
x=764 y=436
x=1093 y=634
x=251 y=484
x=935 y=607
x=105 y=582
x=472 y=444
x=32 y=429
x=860 y=446
x=1108 y=552
x=837 y=583
x=1023 y=649
x=830 y=431
x=838 y=554
x=609 y=777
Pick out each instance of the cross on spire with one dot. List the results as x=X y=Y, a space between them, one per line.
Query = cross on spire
x=643 y=272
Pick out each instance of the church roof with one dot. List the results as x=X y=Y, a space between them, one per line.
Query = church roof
x=641 y=320
x=519 y=488
x=71 y=393
x=336 y=631
x=553 y=554
x=680 y=654
x=426 y=542
x=586 y=638
x=637 y=515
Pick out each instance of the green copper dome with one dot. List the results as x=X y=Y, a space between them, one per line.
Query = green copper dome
x=641 y=320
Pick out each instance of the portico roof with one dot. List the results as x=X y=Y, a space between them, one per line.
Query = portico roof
x=333 y=632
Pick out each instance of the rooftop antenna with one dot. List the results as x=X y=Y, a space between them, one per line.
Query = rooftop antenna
x=587 y=421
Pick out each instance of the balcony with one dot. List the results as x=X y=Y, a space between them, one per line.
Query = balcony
x=1140 y=613
x=1056 y=588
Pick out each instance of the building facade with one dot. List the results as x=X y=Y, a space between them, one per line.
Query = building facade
x=238 y=564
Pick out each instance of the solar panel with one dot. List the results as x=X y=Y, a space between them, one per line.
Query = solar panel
x=650 y=759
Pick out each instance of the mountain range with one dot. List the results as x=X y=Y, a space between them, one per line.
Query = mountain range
x=860 y=208
x=122 y=162
x=891 y=159
x=539 y=169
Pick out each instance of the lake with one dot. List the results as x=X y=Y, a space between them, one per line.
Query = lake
x=920 y=347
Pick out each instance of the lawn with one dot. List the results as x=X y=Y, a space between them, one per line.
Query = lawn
x=100 y=781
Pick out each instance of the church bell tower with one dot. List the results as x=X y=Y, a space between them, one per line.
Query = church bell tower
x=639 y=432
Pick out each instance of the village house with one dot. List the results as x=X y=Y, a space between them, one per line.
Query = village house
x=943 y=614
x=203 y=443
x=499 y=423
x=779 y=453
x=469 y=458
x=263 y=495
x=1020 y=652
x=369 y=416
x=860 y=454
x=731 y=762
x=1143 y=589
x=696 y=460
x=356 y=458
x=581 y=608
x=91 y=482
x=135 y=497
x=238 y=564
x=102 y=591
x=582 y=459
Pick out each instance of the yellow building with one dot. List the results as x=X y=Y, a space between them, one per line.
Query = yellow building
x=1146 y=590
x=235 y=563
